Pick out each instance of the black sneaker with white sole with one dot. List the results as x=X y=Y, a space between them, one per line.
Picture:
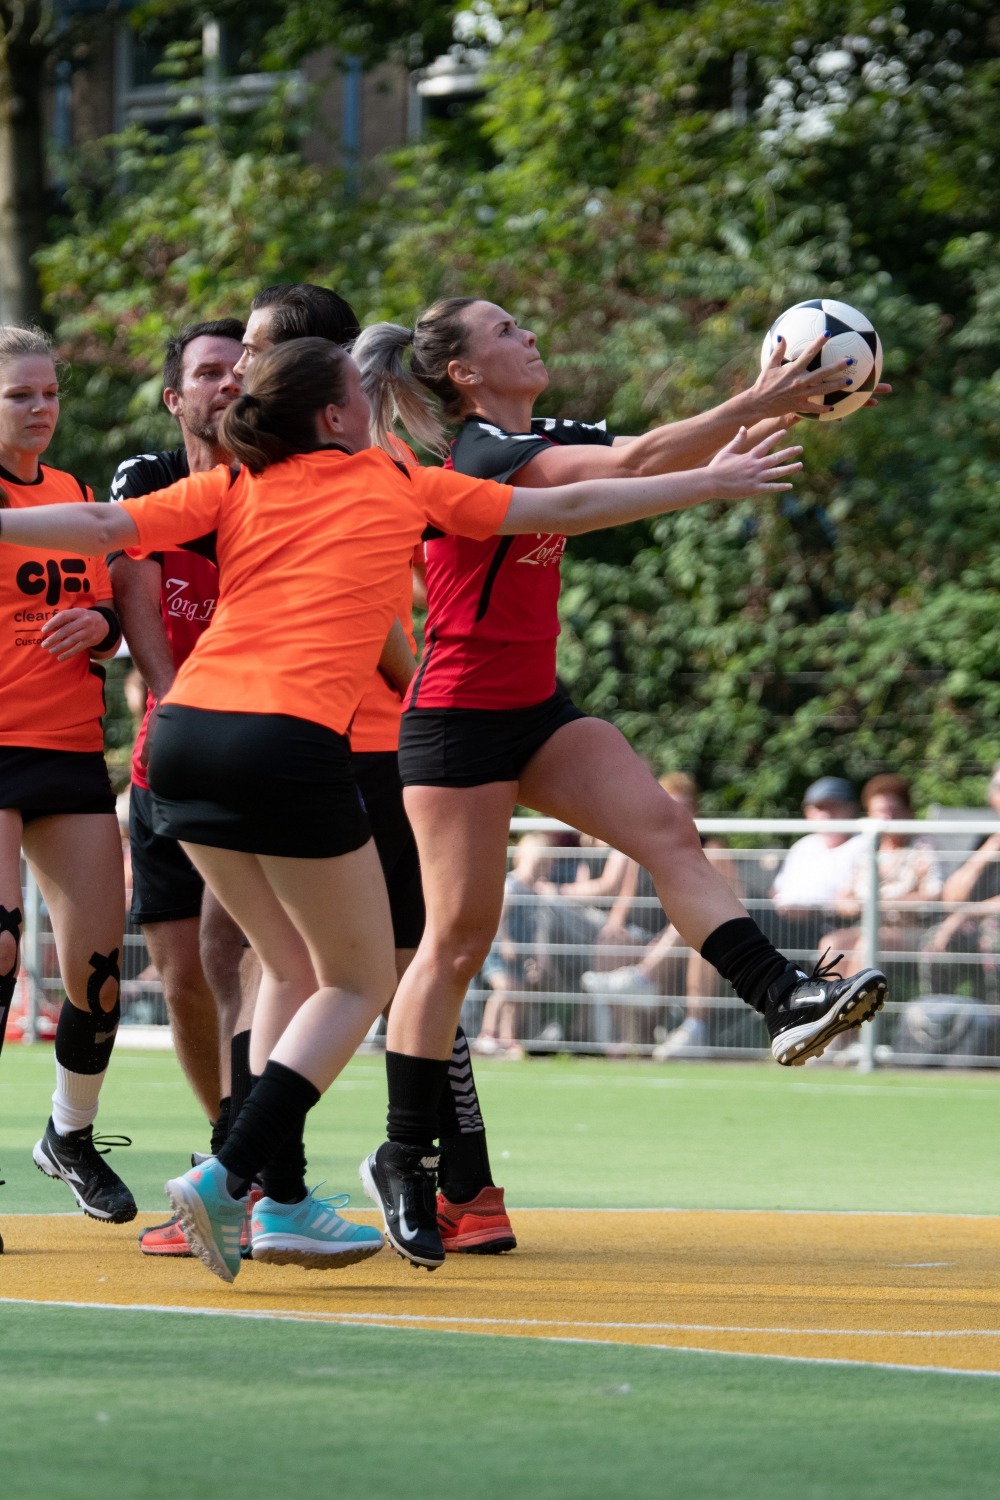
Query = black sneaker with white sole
x=76 y=1160
x=402 y=1180
x=804 y=1012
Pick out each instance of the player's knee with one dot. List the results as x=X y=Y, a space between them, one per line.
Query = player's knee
x=672 y=826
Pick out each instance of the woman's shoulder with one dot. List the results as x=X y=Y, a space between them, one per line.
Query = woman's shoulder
x=52 y=487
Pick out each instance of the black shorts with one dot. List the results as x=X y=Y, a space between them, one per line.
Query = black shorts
x=166 y=887
x=471 y=746
x=377 y=773
x=44 y=783
x=259 y=783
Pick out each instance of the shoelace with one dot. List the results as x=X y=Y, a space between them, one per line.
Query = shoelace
x=335 y=1201
x=109 y=1142
x=826 y=968
x=419 y=1188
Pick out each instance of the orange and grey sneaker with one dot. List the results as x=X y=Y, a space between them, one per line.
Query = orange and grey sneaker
x=165 y=1239
x=479 y=1227
x=256 y=1194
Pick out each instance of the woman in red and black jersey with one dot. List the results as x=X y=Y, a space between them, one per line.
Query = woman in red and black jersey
x=485 y=725
x=56 y=801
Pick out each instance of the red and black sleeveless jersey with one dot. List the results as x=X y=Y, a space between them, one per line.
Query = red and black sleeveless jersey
x=492 y=624
x=190 y=577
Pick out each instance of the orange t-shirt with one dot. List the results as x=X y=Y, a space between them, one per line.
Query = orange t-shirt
x=314 y=557
x=47 y=704
x=375 y=726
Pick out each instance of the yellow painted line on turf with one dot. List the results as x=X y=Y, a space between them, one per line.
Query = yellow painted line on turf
x=879 y=1289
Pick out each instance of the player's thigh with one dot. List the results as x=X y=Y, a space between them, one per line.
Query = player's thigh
x=341 y=907
x=77 y=860
x=243 y=889
x=589 y=776
x=220 y=938
x=462 y=835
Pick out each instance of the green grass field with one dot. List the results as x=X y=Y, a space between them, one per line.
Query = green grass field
x=147 y=1405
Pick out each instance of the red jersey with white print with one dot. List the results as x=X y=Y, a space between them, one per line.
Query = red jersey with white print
x=189 y=576
x=492 y=621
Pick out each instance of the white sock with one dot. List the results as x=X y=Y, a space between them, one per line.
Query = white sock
x=74 y=1103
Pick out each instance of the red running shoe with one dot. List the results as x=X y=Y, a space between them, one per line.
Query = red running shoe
x=246 y=1236
x=480 y=1227
x=165 y=1239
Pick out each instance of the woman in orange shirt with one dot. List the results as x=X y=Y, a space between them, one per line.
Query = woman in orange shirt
x=314 y=539
x=56 y=801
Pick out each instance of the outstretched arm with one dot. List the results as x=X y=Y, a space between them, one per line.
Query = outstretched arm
x=89 y=530
x=779 y=389
x=595 y=503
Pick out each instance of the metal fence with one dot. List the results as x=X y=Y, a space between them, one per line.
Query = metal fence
x=606 y=974
x=553 y=981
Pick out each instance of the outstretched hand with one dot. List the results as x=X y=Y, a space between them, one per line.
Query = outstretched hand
x=794 y=386
x=736 y=475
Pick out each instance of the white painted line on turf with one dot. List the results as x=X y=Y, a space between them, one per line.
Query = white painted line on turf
x=279 y=1316
x=561 y=1208
x=384 y=1319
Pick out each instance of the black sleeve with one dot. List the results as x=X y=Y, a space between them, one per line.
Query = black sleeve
x=146 y=472
x=487 y=452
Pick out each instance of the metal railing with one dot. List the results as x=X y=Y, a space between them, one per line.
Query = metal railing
x=549 y=984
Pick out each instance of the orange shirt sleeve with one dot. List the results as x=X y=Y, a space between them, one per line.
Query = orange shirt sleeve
x=180 y=513
x=460 y=504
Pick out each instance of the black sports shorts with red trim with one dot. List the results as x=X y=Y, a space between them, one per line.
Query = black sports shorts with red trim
x=259 y=783
x=166 y=887
x=377 y=773
x=473 y=746
x=44 y=783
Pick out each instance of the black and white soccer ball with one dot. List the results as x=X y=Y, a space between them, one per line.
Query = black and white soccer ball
x=853 y=338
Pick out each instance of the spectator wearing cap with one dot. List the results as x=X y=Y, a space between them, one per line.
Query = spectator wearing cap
x=818 y=866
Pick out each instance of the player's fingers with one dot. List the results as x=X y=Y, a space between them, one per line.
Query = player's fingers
x=734 y=443
x=782 y=469
x=810 y=352
x=777 y=354
x=766 y=444
x=883 y=388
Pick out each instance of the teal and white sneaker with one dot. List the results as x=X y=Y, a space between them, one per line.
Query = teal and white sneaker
x=310 y=1233
x=210 y=1218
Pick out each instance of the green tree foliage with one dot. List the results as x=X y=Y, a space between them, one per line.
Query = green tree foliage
x=667 y=180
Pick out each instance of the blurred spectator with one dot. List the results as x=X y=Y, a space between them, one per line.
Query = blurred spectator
x=541 y=922
x=817 y=867
x=908 y=872
x=976 y=926
x=663 y=970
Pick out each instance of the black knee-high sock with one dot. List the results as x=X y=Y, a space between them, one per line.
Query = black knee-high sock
x=284 y=1175
x=465 y=1164
x=274 y=1113
x=85 y=1040
x=415 y=1088
x=10 y=921
x=749 y=960
x=220 y=1126
x=241 y=1079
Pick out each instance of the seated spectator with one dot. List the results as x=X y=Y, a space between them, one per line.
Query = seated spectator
x=975 y=927
x=662 y=970
x=817 y=867
x=908 y=872
x=543 y=923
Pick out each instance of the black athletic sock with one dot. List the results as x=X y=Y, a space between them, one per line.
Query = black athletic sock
x=415 y=1088
x=241 y=1079
x=275 y=1110
x=284 y=1176
x=10 y=921
x=465 y=1164
x=220 y=1128
x=744 y=956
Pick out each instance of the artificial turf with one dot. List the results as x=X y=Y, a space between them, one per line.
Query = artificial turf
x=573 y=1132
x=145 y=1405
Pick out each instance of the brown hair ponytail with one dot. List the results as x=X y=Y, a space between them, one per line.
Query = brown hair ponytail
x=400 y=394
x=285 y=388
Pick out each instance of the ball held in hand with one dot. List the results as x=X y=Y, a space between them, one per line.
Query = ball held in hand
x=853 y=337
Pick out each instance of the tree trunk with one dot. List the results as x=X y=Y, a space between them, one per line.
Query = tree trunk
x=24 y=51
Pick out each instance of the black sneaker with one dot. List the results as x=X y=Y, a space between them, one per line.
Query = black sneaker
x=402 y=1180
x=804 y=1012
x=75 y=1160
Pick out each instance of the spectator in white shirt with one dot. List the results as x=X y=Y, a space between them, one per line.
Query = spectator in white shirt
x=819 y=866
